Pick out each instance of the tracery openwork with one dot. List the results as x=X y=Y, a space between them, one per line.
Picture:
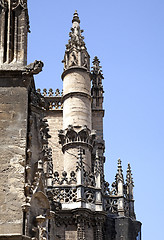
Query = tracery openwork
x=17 y=3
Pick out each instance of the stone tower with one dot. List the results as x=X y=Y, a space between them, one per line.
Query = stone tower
x=52 y=183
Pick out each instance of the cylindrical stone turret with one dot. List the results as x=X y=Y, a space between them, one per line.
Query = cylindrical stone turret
x=76 y=99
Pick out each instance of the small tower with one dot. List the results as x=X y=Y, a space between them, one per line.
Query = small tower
x=130 y=185
x=77 y=123
x=13 y=33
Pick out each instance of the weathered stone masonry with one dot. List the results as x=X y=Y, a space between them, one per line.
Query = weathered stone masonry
x=52 y=183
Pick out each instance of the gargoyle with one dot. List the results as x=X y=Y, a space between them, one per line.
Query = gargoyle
x=34 y=68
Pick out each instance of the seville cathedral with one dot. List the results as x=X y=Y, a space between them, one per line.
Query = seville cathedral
x=52 y=183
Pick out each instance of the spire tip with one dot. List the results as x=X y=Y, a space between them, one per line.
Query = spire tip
x=75 y=17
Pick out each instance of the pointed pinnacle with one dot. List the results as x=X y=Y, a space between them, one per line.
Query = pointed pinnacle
x=96 y=66
x=96 y=60
x=119 y=165
x=129 y=178
x=76 y=17
x=119 y=174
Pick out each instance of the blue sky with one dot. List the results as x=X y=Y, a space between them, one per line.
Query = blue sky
x=128 y=38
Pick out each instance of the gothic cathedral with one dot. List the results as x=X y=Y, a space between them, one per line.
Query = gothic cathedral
x=52 y=183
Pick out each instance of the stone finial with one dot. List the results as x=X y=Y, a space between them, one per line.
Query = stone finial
x=129 y=191
x=129 y=178
x=119 y=175
x=50 y=92
x=120 y=188
x=96 y=66
x=76 y=54
x=129 y=183
x=57 y=92
x=44 y=92
x=76 y=17
x=97 y=87
x=38 y=91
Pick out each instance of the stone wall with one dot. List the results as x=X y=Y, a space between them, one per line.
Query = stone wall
x=55 y=121
x=13 y=130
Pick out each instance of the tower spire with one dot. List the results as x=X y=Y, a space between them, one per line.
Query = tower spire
x=76 y=54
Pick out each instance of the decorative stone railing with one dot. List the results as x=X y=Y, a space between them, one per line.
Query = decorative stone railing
x=54 y=99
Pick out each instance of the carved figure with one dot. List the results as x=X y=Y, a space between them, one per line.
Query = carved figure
x=34 y=68
x=73 y=59
x=85 y=60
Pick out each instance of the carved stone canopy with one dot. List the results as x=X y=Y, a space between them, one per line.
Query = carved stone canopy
x=76 y=52
x=70 y=135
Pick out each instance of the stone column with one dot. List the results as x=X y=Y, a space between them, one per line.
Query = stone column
x=2 y=35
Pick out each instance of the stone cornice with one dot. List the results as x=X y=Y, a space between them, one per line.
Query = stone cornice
x=72 y=69
x=71 y=94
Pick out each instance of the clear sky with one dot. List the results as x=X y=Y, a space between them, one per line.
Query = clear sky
x=128 y=38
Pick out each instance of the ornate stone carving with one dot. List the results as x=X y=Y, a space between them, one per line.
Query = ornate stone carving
x=17 y=3
x=89 y=179
x=64 y=180
x=54 y=100
x=98 y=165
x=3 y=4
x=76 y=53
x=97 y=87
x=69 y=136
x=34 y=68
x=119 y=198
x=80 y=165
x=41 y=228
x=111 y=205
x=119 y=175
x=64 y=195
x=89 y=196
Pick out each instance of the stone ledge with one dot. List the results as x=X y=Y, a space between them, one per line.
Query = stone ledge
x=14 y=237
